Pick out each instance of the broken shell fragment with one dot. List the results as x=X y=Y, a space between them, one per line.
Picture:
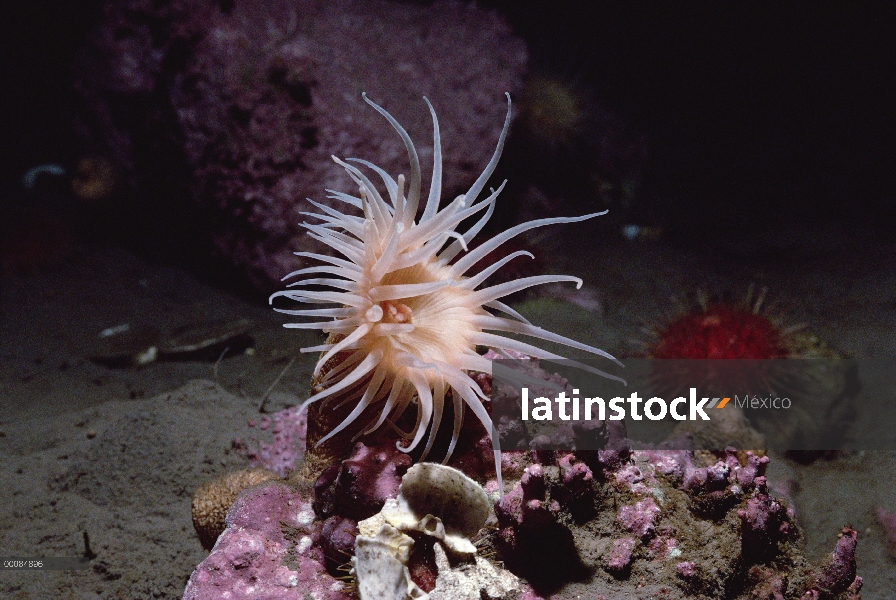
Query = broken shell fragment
x=126 y=345
x=442 y=501
x=438 y=501
x=208 y=341
x=380 y=565
x=472 y=580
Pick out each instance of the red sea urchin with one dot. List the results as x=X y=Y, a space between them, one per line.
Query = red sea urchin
x=405 y=319
x=720 y=329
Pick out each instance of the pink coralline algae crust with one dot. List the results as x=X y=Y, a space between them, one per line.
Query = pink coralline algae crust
x=280 y=545
x=283 y=453
x=336 y=540
x=686 y=569
x=248 y=100
x=716 y=488
x=620 y=556
x=474 y=454
x=254 y=558
x=639 y=517
x=766 y=583
x=530 y=594
x=663 y=546
x=659 y=523
x=358 y=487
x=840 y=572
x=764 y=521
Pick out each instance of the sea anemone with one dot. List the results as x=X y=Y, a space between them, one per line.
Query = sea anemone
x=406 y=319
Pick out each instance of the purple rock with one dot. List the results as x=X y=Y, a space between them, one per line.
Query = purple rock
x=716 y=488
x=840 y=572
x=632 y=478
x=620 y=556
x=755 y=467
x=533 y=482
x=249 y=558
x=686 y=569
x=248 y=100
x=639 y=518
x=671 y=464
x=707 y=479
x=285 y=450
x=526 y=506
x=764 y=521
x=337 y=541
x=474 y=454
x=509 y=509
x=661 y=547
x=358 y=487
x=576 y=476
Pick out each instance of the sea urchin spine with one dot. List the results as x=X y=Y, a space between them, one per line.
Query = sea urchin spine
x=406 y=320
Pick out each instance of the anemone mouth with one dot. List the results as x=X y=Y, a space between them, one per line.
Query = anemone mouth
x=403 y=312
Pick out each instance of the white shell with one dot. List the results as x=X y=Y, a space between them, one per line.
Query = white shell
x=473 y=580
x=380 y=566
x=435 y=500
x=442 y=502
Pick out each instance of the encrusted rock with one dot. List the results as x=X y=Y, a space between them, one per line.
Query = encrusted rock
x=359 y=486
x=639 y=517
x=716 y=526
x=606 y=523
x=213 y=499
x=620 y=556
x=265 y=552
x=250 y=99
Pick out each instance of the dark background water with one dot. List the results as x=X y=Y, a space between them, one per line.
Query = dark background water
x=766 y=112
